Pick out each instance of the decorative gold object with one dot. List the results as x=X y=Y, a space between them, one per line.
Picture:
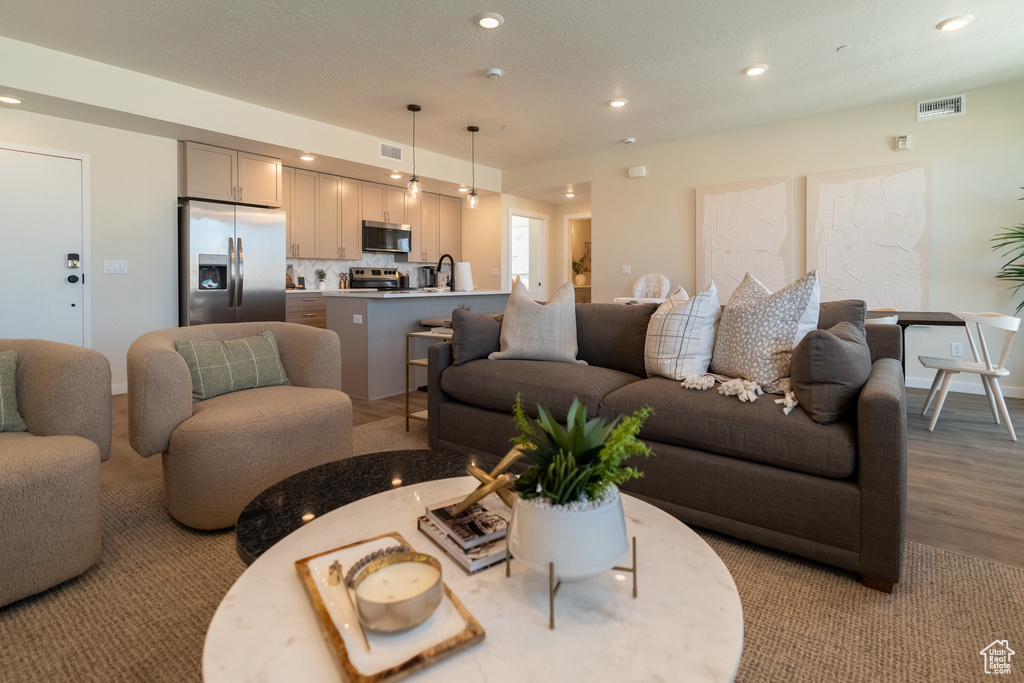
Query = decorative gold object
x=470 y=635
x=495 y=482
x=406 y=597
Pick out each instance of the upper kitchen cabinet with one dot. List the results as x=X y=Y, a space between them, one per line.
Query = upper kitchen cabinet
x=339 y=232
x=383 y=203
x=303 y=198
x=226 y=175
x=351 y=223
x=449 y=228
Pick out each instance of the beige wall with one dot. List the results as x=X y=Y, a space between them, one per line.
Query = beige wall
x=133 y=217
x=480 y=243
x=977 y=166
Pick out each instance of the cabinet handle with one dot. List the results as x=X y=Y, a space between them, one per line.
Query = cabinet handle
x=309 y=315
x=239 y=193
x=310 y=299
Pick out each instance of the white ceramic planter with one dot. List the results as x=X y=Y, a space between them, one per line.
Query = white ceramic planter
x=580 y=279
x=321 y=285
x=582 y=544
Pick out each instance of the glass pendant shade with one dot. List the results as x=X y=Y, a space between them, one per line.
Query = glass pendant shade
x=413 y=187
x=473 y=200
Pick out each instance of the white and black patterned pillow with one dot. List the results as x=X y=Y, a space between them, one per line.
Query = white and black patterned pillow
x=681 y=334
x=759 y=330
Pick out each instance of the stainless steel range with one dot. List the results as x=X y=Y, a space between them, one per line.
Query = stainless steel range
x=381 y=279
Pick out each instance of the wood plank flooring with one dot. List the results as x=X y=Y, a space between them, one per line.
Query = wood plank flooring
x=965 y=490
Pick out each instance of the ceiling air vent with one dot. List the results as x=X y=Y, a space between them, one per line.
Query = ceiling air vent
x=941 y=107
x=390 y=151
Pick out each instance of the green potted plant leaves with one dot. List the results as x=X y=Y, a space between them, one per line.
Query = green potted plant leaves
x=569 y=510
x=321 y=278
x=1011 y=241
x=578 y=269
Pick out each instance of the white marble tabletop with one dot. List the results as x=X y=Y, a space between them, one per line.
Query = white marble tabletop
x=374 y=294
x=686 y=624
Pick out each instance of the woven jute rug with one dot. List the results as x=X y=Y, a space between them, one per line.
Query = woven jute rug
x=141 y=613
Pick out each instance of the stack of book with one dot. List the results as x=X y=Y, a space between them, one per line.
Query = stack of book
x=476 y=538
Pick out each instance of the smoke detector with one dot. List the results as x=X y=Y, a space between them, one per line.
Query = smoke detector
x=629 y=141
x=493 y=73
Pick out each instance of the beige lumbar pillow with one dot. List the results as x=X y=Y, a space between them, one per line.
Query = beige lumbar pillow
x=681 y=334
x=759 y=330
x=533 y=331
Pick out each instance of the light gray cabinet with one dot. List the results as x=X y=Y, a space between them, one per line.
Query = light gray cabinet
x=209 y=172
x=383 y=203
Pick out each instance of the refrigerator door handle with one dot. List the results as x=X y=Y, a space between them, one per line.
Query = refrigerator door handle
x=231 y=272
x=241 y=271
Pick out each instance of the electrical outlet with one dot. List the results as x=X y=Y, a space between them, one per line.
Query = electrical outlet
x=625 y=270
x=956 y=349
x=357 y=319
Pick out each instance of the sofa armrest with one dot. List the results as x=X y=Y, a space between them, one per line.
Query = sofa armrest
x=439 y=357
x=311 y=356
x=159 y=392
x=885 y=341
x=64 y=390
x=882 y=469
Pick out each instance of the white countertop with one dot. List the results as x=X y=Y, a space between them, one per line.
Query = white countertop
x=372 y=294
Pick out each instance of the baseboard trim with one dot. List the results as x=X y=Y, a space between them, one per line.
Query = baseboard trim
x=116 y=389
x=962 y=387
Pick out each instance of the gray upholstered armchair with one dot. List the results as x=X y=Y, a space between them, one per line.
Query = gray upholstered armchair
x=218 y=454
x=50 y=474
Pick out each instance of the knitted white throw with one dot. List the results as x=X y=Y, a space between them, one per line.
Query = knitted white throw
x=745 y=390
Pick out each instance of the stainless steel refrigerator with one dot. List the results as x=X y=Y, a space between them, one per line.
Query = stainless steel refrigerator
x=232 y=263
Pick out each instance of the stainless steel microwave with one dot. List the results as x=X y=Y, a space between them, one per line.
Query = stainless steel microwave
x=389 y=237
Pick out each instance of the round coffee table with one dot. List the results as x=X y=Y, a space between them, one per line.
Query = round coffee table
x=303 y=497
x=686 y=624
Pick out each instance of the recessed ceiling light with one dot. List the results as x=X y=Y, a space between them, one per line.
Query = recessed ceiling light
x=489 y=19
x=308 y=157
x=618 y=102
x=7 y=99
x=463 y=189
x=955 y=23
x=755 y=69
x=570 y=195
x=396 y=175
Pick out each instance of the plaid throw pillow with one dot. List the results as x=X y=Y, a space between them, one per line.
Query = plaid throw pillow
x=681 y=334
x=10 y=418
x=220 y=367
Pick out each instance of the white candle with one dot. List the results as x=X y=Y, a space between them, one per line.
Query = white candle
x=397 y=582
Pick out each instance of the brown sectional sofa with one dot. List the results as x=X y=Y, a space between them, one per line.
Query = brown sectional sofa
x=835 y=493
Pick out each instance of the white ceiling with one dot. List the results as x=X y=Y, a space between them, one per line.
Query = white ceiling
x=357 y=63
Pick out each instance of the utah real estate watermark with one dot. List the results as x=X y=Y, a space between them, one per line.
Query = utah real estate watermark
x=997 y=657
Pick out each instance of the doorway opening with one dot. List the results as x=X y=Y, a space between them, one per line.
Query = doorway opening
x=526 y=237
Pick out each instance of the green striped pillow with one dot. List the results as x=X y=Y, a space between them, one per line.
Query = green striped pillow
x=10 y=418
x=220 y=367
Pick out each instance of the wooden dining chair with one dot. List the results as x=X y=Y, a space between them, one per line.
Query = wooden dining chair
x=983 y=365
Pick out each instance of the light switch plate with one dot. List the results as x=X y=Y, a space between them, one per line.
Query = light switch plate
x=626 y=270
x=357 y=319
x=115 y=266
x=495 y=272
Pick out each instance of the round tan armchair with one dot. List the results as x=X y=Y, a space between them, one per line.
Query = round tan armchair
x=218 y=454
x=50 y=474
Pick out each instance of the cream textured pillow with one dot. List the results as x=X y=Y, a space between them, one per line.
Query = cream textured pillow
x=10 y=418
x=759 y=330
x=533 y=331
x=681 y=334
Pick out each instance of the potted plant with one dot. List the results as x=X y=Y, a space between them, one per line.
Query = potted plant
x=321 y=278
x=569 y=510
x=577 y=267
x=1012 y=240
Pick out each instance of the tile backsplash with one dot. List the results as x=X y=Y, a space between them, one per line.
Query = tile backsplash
x=307 y=268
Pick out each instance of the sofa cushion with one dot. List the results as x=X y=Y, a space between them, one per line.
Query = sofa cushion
x=758 y=431
x=220 y=367
x=474 y=336
x=681 y=334
x=10 y=418
x=533 y=331
x=828 y=370
x=493 y=384
x=612 y=335
x=847 y=310
x=759 y=330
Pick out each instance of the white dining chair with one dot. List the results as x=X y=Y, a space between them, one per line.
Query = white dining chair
x=651 y=285
x=983 y=365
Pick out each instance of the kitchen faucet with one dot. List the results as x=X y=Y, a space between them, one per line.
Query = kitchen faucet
x=451 y=278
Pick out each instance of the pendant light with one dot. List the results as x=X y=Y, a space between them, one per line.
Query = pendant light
x=473 y=200
x=414 y=180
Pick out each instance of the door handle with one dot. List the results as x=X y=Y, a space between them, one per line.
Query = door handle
x=231 y=272
x=241 y=271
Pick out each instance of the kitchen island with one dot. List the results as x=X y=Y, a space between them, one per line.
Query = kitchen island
x=372 y=326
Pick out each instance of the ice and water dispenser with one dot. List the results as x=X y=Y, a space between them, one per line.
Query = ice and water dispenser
x=213 y=271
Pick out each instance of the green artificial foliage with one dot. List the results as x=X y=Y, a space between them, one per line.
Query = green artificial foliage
x=1011 y=241
x=321 y=274
x=578 y=461
x=578 y=267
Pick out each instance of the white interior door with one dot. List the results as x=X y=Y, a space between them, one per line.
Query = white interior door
x=42 y=222
x=526 y=253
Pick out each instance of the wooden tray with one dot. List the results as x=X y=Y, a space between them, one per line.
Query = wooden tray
x=392 y=657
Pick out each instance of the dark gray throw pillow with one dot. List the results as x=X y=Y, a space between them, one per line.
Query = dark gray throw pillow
x=828 y=369
x=474 y=336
